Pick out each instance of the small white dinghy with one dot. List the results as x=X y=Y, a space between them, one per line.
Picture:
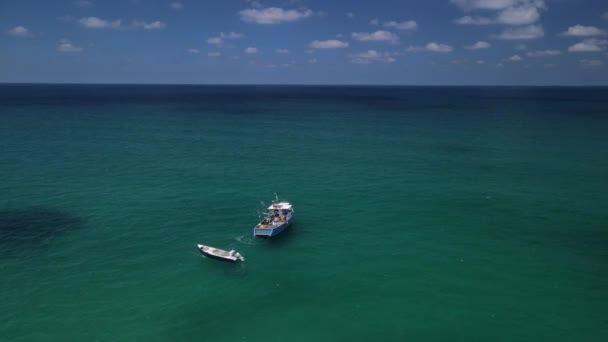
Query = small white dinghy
x=220 y=254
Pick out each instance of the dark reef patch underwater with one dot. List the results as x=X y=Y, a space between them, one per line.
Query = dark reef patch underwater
x=23 y=230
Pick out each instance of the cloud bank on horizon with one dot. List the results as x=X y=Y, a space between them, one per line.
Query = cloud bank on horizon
x=435 y=42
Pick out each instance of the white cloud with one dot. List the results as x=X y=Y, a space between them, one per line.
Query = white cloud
x=98 y=23
x=371 y=56
x=483 y=4
x=272 y=15
x=510 y=12
x=481 y=61
x=516 y=58
x=312 y=60
x=374 y=21
x=404 y=25
x=350 y=14
x=591 y=62
x=214 y=54
x=66 y=46
x=589 y=45
x=328 y=44
x=19 y=31
x=520 y=15
x=251 y=50
x=469 y=20
x=432 y=47
x=375 y=36
x=194 y=51
x=521 y=47
x=543 y=53
x=583 y=31
x=215 y=41
x=154 y=25
x=283 y=51
x=176 y=5
x=478 y=46
x=605 y=15
x=220 y=40
x=231 y=35
x=522 y=33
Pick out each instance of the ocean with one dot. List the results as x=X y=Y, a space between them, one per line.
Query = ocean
x=422 y=213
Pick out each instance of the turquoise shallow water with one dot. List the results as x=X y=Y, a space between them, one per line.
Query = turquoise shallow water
x=422 y=213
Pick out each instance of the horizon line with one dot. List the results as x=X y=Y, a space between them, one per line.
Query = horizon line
x=308 y=84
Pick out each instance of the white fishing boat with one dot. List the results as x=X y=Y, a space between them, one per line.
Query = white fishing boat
x=277 y=218
x=220 y=254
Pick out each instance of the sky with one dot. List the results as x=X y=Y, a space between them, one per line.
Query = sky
x=379 y=42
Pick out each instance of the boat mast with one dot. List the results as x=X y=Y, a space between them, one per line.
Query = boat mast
x=262 y=213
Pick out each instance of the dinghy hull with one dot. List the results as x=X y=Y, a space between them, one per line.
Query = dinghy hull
x=217 y=254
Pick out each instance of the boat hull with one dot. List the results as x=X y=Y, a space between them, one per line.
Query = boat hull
x=216 y=257
x=274 y=231
x=211 y=256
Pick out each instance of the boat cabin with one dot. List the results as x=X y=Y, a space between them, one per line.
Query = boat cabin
x=277 y=214
x=282 y=206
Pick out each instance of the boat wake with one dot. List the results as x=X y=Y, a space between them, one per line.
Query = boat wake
x=246 y=240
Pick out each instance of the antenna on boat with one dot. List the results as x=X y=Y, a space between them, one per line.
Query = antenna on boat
x=261 y=210
x=276 y=197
